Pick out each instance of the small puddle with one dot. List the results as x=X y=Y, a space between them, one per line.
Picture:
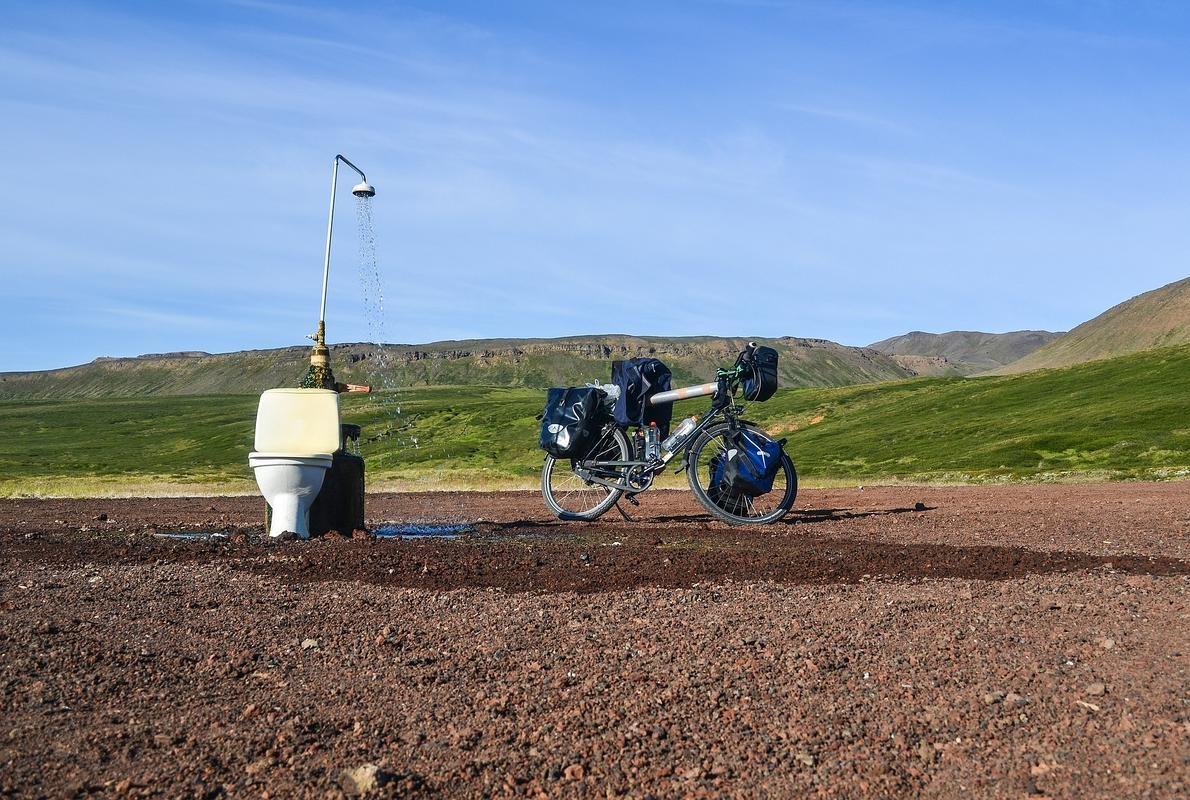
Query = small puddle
x=415 y=530
x=192 y=536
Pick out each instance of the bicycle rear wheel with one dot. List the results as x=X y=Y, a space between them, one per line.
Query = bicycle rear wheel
x=737 y=509
x=568 y=495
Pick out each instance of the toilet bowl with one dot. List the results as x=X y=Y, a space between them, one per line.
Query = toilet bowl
x=297 y=432
x=289 y=485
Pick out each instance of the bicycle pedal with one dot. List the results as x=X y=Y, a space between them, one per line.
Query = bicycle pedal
x=632 y=499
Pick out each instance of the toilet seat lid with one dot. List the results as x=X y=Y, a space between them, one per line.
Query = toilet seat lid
x=298 y=421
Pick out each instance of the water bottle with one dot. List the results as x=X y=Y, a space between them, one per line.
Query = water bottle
x=679 y=434
x=652 y=442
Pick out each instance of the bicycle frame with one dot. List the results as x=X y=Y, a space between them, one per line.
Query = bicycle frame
x=617 y=474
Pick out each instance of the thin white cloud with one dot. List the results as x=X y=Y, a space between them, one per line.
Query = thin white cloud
x=846 y=115
x=190 y=321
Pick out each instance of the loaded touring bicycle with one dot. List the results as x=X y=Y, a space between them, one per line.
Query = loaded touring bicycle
x=606 y=442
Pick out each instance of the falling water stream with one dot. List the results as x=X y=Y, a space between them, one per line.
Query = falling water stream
x=398 y=427
x=369 y=271
x=400 y=433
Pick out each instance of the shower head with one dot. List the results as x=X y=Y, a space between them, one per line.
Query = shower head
x=363 y=189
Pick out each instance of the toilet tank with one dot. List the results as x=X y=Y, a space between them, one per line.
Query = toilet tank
x=298 y=421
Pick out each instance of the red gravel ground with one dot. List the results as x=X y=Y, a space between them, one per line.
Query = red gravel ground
x=907 y=641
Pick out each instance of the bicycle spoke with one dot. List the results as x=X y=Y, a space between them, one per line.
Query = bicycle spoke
x=575 y=494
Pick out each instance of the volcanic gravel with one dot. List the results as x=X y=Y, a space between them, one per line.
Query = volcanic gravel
x=885 y=642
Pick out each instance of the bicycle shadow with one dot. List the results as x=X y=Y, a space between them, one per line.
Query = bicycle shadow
x=838 y=514
x=797 y=516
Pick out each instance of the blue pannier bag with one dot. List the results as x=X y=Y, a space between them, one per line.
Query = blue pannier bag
x=749 y=468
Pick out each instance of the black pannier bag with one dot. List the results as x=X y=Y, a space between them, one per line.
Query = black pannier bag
x=639 y=379
x=571 y=421
x=748 y=468
x=760 y=375
x=729 y=501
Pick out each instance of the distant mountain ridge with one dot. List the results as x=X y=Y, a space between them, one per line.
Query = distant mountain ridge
x=536 y=363
x=967 y=352
x=1154 y=319
x=1159 y=318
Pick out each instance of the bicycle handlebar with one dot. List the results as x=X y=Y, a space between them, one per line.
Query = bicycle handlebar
x=746 y=354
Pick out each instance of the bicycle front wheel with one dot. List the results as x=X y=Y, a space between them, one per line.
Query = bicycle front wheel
x=733 y=508
x=569 y=495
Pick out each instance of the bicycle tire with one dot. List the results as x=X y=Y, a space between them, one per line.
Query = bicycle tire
x=603 y=505
x=717 y=509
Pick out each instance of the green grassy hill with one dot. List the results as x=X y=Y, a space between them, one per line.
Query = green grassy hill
x=1160 y=318
x=531 y=363
x=1118 y=418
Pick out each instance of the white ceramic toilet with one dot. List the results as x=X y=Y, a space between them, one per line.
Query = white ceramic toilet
x=297 y=432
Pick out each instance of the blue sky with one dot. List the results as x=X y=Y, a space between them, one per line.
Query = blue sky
x=846 y=170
